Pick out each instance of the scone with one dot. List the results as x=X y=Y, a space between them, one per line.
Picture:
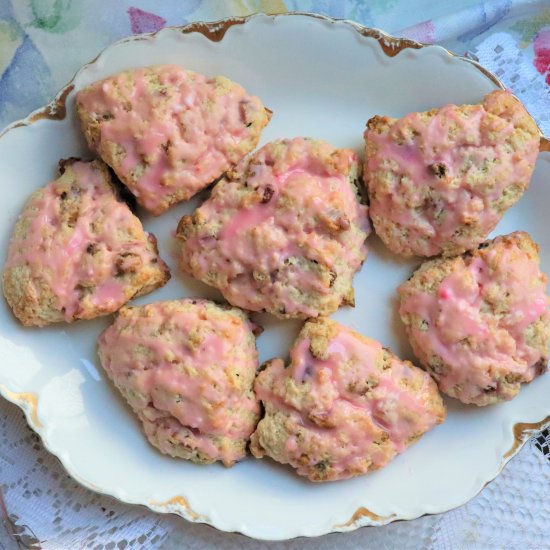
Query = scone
x=479 y=322
x=440 y=181
x=344 y=406
x=284 y=232
x=167 y=132
x=77 y=251
x=186 y=367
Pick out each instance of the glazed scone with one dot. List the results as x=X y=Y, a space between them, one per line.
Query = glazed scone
x=440 y=181
x=344 y=406
x=77 y=251
x=186 y=368
x=284 y=232
x=479 y=322
x=167 y=132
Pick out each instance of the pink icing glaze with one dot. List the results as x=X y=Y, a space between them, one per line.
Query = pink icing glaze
x=458 y=198
x=109 y=294
x=455 y=313
x=353 y=421
x=188 y=130
x=304 y=197
x=60 y=257
x=195 y=384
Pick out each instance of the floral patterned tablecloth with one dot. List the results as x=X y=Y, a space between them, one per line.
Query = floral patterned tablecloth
x=42 y=44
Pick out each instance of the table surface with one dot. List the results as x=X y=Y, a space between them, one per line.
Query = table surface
x=42 y=44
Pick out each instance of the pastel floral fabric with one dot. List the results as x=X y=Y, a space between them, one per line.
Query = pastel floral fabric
x=43 y=42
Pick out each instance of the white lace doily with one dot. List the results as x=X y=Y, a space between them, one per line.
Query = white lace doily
x=501 y=55
x=513 y=511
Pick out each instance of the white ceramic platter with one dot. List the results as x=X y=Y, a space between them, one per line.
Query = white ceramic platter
x=324 y=79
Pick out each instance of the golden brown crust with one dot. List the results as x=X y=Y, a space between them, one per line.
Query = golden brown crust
x=478 y=346
x=439 y=181
x=299 y=259
x=187 y=369
x=343 y=406
x=187 y=114
x=33 y=286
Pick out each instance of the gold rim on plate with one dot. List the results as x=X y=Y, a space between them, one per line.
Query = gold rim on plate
x=215 y=31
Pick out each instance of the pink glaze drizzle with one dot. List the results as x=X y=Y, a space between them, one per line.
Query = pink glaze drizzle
x=303 y=197
x=188 y=129
x=353 y=420
x=432 y=208
x=186 y=364
x=57 y=254
x=455 y=313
